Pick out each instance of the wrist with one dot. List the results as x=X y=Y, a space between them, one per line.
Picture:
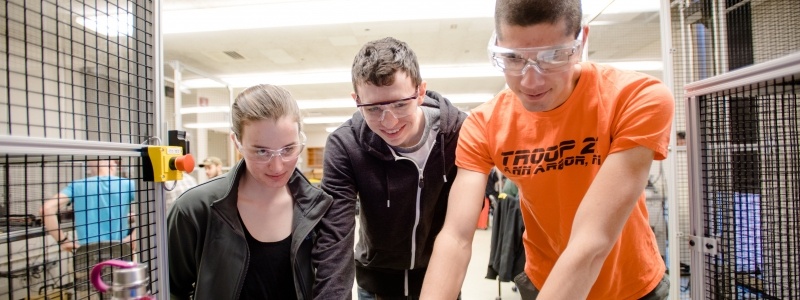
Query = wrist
x=63 y=240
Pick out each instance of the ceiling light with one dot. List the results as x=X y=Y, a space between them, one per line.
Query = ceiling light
x=326 y=103
x=109 y=25
x=205 y=109
x=338 y=76
x=285 y=14
x=282 y=14
x=594 y=7
x=208 y=125
x=642 y=65
x=326 y=120
x=350 y=103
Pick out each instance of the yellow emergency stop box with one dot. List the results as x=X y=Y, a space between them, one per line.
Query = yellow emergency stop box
x=163 y=163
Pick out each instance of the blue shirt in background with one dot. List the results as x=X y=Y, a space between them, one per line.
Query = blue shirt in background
x=101 y=205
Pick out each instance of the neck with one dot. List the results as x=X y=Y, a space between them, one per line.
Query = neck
x=420 y=130
x=251 y=189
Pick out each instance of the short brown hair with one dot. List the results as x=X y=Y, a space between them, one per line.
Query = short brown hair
x=533 y=12
x=378 y=61
x=263 y=102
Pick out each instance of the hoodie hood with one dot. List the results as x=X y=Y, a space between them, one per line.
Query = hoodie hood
x=449 y=120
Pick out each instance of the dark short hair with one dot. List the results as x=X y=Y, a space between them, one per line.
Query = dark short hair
x=378 y=61
x=533 y=12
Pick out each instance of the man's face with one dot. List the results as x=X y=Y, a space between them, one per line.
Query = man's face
x=212 y=170
x=398 y=123
x=539 y=92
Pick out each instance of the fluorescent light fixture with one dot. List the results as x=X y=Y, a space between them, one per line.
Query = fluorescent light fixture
x=468 y=98
x=282 y=14
x=331 y=129
x=643 y=65
x=338 y=76
x=109 y=25
x=594 y=7
x=205 y=109
x=326 y=103
x=350 y=103
x=326 y=120
x=287 y=14
x=208 y=125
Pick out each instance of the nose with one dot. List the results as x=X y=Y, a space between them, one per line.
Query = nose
x=531 y=77
x=275 y=163
x=388 y=119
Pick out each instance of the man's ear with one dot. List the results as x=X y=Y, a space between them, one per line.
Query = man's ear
x=423 y=87
x=355 y=96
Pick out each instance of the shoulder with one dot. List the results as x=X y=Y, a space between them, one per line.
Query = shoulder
x=203 y=195
x=622 y=80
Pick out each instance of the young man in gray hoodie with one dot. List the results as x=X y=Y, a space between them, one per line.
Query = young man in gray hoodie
x=396 y=157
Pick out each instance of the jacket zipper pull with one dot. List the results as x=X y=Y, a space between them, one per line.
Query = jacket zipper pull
x=421 y=182
x=388 y=203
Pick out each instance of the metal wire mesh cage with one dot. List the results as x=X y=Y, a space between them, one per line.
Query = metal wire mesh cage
x=78 y=82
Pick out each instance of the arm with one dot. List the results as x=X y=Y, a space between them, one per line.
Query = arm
x=49 y=212
x=598 y=223
x=453 y=248
x=333 y=253
x=131 y=238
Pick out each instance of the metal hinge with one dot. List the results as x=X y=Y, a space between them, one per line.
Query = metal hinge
x=707 y=245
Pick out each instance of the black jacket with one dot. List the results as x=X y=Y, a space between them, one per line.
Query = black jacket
x=507 y=255
x=359 y=164
x=208 y=248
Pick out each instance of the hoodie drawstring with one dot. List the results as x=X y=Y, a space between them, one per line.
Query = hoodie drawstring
x=444 y=159
x=388 y=197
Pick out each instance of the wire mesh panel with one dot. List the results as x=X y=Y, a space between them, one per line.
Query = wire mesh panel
x=712 y=38
x=750 y=158
x=64 y=214
x=77 y=70
x=77 y=85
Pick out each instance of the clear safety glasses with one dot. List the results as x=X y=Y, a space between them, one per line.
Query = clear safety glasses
x=545 y=60
x=398 y=108
x=264 y=155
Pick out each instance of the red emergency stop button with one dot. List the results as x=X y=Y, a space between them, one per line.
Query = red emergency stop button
x=184 y=163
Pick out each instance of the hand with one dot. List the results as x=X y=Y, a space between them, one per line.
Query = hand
x=69 y=245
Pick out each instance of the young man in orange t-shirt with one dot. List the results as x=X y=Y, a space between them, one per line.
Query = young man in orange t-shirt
x=578 y=139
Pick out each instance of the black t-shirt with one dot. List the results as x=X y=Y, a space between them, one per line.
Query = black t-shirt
x=269 y=274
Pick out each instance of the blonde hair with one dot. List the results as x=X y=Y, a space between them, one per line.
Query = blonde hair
x=263 y=102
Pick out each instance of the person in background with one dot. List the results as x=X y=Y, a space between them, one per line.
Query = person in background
x=212 y=166
x=510 y=188
x=396 y=157
x=181 y=186
x=261 y=231
x=578 y=139
x=681 y=138
x=101 y=205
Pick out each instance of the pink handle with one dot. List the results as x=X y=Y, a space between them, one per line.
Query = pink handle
x=97 y=272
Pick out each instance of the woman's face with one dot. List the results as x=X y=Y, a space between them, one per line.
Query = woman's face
x=271 y=149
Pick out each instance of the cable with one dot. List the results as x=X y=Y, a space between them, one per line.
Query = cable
x=174 y=184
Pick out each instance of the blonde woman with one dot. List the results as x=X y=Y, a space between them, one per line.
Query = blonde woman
x=261 y=231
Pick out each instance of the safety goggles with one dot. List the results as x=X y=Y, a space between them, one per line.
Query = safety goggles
x=398 y=108
x=264 y=155
x=545 y=60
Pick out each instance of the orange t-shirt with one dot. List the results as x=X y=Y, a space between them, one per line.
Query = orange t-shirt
x=554 y=156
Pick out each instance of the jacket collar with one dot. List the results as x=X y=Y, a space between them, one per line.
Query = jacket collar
x=308 y=200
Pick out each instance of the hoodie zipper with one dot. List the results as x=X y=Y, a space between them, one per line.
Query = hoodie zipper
x=420 y=184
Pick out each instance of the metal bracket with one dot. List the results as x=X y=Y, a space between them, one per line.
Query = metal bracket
x=703 y=244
